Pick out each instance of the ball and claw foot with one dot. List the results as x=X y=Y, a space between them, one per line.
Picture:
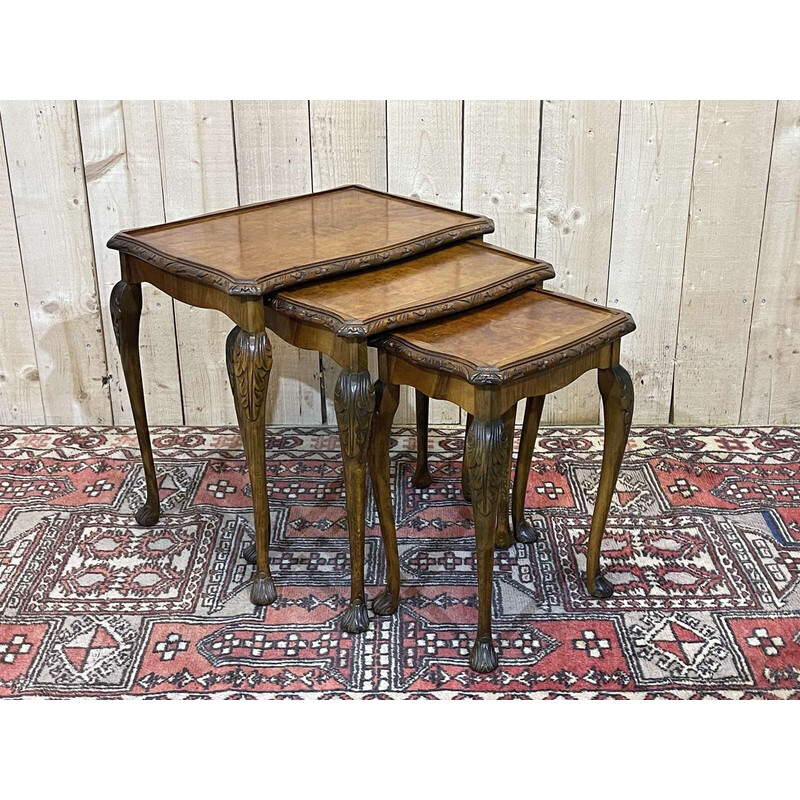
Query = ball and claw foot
x=526 y=533
x=384 y=605
x=421 y=479
x=147 y=515
x=263 y=592
x=503 y=538
x=355 y=619
x=249 y=554
x=483 y=657
x=602 y=587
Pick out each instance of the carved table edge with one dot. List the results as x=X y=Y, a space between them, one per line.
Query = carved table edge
x=409 y=316
x=485 y=375
x=292 y=276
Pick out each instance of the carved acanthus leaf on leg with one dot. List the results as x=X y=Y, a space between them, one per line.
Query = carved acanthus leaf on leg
x=486 y=458
x=354 y=402
x=249 y=361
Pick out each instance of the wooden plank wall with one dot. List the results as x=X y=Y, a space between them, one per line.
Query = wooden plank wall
x=686 y=213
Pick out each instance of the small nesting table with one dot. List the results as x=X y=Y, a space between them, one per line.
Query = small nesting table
x=486 y=359
x=249 y=263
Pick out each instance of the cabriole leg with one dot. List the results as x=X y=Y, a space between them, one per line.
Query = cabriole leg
x=617 y=391
x=126 y=311
x=422 y=477
x=388 y=397
x=354 y=401
x=523 y=530
x=249 y=361
x=485 y=454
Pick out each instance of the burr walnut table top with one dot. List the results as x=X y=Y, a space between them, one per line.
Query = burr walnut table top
x=257 y=249
x=426 y=286
x=509 y=338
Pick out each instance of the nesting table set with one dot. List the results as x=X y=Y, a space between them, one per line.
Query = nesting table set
x=456 y=318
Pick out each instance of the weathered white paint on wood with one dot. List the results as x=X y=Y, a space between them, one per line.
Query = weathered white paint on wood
x=651 y=205
x=60 y=327
x=123 y=185
x=423 y=143
x=348 y=145
x=274 y=160
x=20 y=393
x=772 y=382
x=576 y=206
x=501 y=155
x=731 y=164
x=46 y=169
x=198 y=170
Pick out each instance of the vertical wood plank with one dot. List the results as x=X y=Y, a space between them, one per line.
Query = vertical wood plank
x=348 y=145
x=576 y=206
x=772 y=381
x=734 y=141
x=651 y=206
x=123 y=185
x=20 y=392
x=501 y=155
x=198 y=169
x=423 y=143
x=274 y=160
x=47 y=182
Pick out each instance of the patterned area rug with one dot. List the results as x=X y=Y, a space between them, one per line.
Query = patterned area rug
x=703 y=546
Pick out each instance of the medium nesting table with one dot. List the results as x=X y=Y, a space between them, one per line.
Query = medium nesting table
x=413 y=262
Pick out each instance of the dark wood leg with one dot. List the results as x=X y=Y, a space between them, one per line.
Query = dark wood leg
x=617 y=391
x=422 y=477
x=503 y=538
x=126 y=311
x=523 y=530
x=485 y=454
x=249 y=361
x=354 y=401
x=465 y=488
x=388 y=397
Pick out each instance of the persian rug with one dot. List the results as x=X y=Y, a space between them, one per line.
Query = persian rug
x=702 y=545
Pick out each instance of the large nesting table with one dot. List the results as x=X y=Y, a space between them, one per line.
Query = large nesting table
x=280 y=266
